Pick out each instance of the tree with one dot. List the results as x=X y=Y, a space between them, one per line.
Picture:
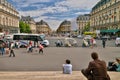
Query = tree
x=24 y=27
x=28 y=29
x=87 y=27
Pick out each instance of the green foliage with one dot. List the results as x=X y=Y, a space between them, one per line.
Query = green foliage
x=87 y=27
x=21 y=25
x=24 y=27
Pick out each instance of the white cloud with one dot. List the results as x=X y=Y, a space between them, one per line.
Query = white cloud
x=30 y=1
x=32 y=13
x=81 y=4
x=59 y=7
x=55 y=9
x=79 y=13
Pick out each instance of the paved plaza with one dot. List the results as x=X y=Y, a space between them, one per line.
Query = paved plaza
x=54 y=57
x=35 y=66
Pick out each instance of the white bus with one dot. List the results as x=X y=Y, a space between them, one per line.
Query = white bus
x=25 y=38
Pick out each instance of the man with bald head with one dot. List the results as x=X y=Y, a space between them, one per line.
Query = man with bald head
x=96 y=70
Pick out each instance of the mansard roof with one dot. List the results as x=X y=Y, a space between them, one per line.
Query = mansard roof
x=100 y=3
x=27 y=18
x=66 y=22
x=41 y=23
x=83 y=16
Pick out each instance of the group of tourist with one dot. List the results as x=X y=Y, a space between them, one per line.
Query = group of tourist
x=36 y=47
x=10 y=48
x=114 y=65
x=89 y=43
x=92 y=43
x=96 y=70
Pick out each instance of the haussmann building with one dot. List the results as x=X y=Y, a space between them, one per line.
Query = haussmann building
x=64 y=28
x=43 y=27
x=9 y=18
x=30 y=21
x=105 y=16
x=82 y=21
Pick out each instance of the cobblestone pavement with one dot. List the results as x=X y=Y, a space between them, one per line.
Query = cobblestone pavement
x=49 y=75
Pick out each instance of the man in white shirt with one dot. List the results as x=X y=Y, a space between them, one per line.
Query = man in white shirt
x=67 y=68
x=12 y=50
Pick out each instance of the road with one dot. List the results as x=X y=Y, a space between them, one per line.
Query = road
x=54 y=57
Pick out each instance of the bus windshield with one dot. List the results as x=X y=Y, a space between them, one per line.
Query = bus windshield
x=42 y=36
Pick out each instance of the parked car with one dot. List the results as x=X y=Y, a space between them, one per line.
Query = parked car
x=106 y=37
x=74 y=36
x=8 y=37
x=80 y=36
x=88 y=37
x=117 y=41
x=45 y=43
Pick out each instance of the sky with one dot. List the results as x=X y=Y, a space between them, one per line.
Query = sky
x=54 y=12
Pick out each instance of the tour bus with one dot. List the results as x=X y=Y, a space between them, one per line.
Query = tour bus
x=24 y=39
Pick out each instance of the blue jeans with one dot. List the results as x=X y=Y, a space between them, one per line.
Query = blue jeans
x=3 y=50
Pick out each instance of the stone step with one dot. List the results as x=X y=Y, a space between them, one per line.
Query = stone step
x=48 y=75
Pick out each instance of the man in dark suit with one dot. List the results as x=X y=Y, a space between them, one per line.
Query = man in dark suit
x=104 y=43
x=96 y=70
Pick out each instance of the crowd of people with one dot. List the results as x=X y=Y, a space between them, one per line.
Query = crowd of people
x=9 y=46
x=96 y=70
x=37 y=47
x=89 y=43
x=114 y=65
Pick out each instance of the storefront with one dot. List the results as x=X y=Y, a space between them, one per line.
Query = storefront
x=110 y=32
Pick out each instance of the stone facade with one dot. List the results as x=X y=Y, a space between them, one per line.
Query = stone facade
x=9 y=18
x=43 y=27
x=82 y=21
x=29 y=20
x=65 y=27
x=106 y=15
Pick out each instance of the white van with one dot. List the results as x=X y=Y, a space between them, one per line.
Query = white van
x=117 y=41
x=1 y=35
x=9 y=37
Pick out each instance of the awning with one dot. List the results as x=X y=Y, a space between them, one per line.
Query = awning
x=110 y=31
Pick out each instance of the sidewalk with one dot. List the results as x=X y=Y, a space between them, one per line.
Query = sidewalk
x=48 y=75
